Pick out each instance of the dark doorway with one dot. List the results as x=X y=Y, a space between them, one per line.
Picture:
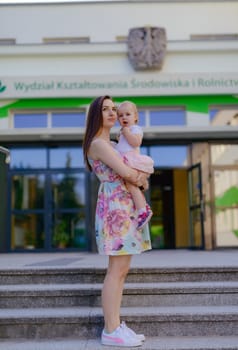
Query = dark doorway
x=162 y=202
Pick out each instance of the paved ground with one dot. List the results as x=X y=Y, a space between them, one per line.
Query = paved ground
x=154 y=258
x=168 y=343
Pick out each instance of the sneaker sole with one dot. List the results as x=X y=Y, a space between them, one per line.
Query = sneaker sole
x=108 y=343
x=140 y=337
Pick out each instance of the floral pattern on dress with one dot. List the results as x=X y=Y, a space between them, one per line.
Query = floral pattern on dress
x=115 y=218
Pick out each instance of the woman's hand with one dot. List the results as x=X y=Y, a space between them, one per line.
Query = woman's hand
x=145 y=186
x=142 y=181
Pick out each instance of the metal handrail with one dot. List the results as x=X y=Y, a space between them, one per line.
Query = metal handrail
x=7 y=154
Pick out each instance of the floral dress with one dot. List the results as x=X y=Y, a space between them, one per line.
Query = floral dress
x=115 y=223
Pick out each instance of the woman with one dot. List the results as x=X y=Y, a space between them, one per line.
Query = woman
x=115 y=225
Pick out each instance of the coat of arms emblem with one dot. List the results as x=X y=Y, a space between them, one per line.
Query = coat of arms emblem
x=147 y=47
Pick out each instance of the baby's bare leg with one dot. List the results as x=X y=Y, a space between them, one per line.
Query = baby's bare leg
x=137 y=195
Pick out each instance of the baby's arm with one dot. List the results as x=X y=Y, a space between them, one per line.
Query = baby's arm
x=134 y=140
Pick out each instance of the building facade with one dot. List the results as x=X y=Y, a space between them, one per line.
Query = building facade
x=177 y=60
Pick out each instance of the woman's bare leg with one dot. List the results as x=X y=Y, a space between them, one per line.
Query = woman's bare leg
x=112 y=291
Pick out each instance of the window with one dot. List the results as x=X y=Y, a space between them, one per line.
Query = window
x=142 y=118
x=168 y=117
x=223 y=115
x=33 y=120
x=49 y=119
x=169 y=156
x=70 y=119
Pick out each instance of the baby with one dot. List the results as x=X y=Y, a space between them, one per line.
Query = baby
x=129 y=142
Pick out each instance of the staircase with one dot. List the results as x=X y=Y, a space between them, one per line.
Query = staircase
x=177 y=308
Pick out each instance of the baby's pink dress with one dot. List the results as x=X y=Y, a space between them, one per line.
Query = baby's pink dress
x=131 y=155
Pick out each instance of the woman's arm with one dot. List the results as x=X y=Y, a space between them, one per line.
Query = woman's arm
x=103 y=151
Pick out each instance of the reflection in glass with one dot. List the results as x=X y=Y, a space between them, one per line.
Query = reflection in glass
x=68 y=190
x=28 y=158
x=28 y=191
x=224 y=154
x=196 y=237
x=226 y=207
x=224 y=116
x=212 y=114
x=66 y=157
x=157 y=225
x=27 y=231
x=68 y=194
x=195 y=186
x=69 y=230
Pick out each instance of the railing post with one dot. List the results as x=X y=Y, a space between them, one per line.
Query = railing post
x=7 y=154
x=4 y=161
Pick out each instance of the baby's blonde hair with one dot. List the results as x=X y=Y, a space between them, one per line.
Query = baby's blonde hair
x=134 y=107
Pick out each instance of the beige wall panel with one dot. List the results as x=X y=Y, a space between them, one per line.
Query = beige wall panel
x=181 y=208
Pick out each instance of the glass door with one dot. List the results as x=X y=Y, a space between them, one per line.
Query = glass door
x=48 y=210
x=225 y=184
x=226 y=207
x=196 y=207
x=47 y=192
x=3 y=201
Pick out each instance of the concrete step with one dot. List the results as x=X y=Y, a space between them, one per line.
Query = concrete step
x=143 y=294
x=153 y=343
x=96 y=275
x=87 y=322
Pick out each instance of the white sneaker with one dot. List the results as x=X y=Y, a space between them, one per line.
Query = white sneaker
x=120 y=337
x=141 y=337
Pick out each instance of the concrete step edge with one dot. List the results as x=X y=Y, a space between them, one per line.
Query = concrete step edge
x=54 y=276
x=130 y=288
x=205 y=285
x=101 y=270
x=180 y=285
x=89 y=313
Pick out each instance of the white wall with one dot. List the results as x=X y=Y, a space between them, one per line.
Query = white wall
x=23 y=60
x=104 y=21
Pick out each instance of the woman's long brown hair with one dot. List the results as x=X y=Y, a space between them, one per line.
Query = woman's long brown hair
x=93 y=124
